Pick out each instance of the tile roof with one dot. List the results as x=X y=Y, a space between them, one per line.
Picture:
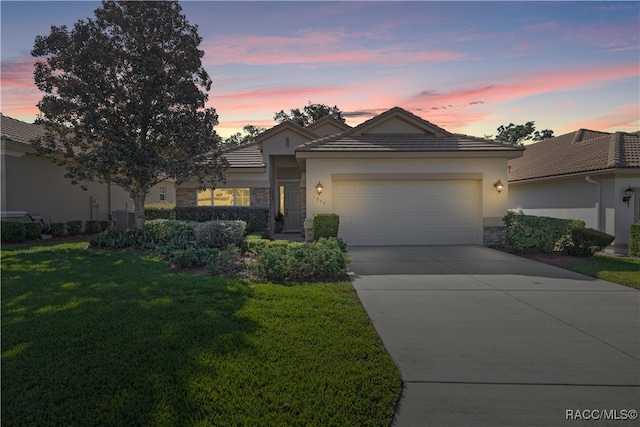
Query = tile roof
x=435 y=138
x=288 y=124
x=404 y=143
x=396 y=111
x=18 y=131
x=325 y=120
x=244 y=156
x=580 y=151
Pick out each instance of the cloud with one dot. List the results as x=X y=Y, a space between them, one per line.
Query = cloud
x=508 y=88
x=626 y=117
x=333 y=46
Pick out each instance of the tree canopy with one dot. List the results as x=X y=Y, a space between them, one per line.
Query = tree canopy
x=517 y=134
x=124 y=99
x=238 y=138
x=309 y=114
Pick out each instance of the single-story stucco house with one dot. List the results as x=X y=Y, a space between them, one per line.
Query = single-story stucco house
x=395 y=179
x=588 y=175
x=35 y=185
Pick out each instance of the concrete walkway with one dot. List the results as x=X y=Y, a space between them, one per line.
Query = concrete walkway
x=484 y=338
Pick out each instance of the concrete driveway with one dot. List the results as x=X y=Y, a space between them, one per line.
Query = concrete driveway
x=484 y=338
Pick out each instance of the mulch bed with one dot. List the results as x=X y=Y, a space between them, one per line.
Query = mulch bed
x=557 y=259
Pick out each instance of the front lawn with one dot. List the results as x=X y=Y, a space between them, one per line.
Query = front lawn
x=625 y=271
x=96 y=337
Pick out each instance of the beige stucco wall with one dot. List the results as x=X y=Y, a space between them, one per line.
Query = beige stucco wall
x=35 y=185
x=599 y=204
x=487 y=170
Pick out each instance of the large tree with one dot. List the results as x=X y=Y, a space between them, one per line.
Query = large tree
x=125 y=98
x=310 y=113
x=250 y=133
x=517 y=134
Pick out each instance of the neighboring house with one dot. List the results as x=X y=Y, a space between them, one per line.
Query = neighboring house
x=581 y=175
x=395 y=179
x=35 y=185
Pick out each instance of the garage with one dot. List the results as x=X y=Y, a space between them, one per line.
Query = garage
x=408 y=212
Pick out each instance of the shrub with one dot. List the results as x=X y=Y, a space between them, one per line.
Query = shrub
x=219 y=234
x=92 y=227
x=587 y=241
x=257 y=219
x=299 y=261
x=163 y=211
x=226 y=262
x=57 y=229
x=634 y=241
x=33 y=230
x=105 y=225
x=74 y=228
x=13 y=232
x=325 y=225
x=172 y=231
x=255 y=245
x=122 y=239
x=192 y=257
x=527 y=233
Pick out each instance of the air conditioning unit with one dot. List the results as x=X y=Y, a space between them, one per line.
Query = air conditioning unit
x=123 y=219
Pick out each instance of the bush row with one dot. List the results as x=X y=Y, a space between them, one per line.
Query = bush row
x=182 y=243
x=634 y=241
x=536 y=234
x=16 y=232
x=257 y=219
x=283 y=261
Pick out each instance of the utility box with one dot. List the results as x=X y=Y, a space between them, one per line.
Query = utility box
x=123 y=219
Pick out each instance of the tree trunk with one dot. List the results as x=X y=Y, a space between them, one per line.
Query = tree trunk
x=138 y=204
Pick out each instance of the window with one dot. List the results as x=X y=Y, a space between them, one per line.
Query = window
x=224 y=197
x=163 y=194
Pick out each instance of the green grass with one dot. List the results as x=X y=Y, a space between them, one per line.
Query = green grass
x=624 y=271
x=118 y=338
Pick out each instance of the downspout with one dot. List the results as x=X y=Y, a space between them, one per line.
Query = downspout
x=598 y=197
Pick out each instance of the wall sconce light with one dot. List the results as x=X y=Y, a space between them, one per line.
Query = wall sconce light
x=319 y=188
x=628 y=195
x=498 y=185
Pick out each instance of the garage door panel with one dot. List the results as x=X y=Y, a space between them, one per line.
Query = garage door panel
x=408 y=212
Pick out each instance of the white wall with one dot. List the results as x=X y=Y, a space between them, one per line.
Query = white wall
x=599 y=205
x=488 y=170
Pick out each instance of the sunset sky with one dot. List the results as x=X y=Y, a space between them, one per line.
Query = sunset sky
x=465 y=66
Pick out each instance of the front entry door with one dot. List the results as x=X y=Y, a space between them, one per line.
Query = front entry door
x=292 y=209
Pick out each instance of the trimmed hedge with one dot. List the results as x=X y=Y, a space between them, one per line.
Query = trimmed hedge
x=13 y=232
x=531 y=234
x=587 y=241
x=92 y=227
x=33 y=230
x=219 y=234
x=257 y=219
x=160 y=212
x=322 y=259
x=634 y=240
x=325 y=225
x=58 y=229
x=74 y=227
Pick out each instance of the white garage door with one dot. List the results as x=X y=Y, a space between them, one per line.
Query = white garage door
x=408 y=212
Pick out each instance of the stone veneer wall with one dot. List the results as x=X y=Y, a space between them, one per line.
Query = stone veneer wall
x=493 y=236
x=260 y=197
x=303 y=208
x=186 y=197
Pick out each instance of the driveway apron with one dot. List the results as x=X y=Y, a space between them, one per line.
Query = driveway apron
x=485 y=338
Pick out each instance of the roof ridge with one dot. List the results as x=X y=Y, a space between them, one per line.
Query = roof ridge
x=615 y=149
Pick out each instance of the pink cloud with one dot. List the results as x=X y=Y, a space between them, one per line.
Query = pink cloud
x=520 y=86
x=316 y=47
x=18 y=73
x=626 y=118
